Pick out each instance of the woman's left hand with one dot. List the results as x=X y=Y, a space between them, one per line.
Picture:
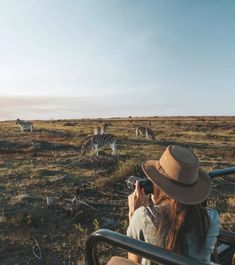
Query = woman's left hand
x=135 y=199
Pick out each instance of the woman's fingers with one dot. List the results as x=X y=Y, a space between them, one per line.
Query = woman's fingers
x=139 y=191
x=136 y=198
x=137 y=187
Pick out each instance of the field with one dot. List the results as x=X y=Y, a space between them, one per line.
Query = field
x=89 y=192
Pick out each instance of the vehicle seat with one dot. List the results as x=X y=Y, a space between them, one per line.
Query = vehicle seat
x=115 y=260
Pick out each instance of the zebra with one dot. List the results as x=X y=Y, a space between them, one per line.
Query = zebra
x=99 y=140
x=147 y=132
x=25 y=125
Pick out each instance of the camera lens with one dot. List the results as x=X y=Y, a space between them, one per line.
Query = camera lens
x=147 y=185
x=131 y=182
x=144 y=183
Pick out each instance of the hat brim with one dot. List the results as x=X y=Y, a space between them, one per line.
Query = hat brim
x=187 y=195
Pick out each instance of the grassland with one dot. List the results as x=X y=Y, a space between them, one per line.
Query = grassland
x=48 y=163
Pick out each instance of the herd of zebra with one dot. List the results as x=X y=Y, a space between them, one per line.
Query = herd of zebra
x=99 y=138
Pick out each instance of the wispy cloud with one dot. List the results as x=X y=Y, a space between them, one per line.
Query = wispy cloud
x=39 y=108
x=68 y=108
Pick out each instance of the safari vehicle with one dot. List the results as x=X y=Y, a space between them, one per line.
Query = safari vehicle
x=223 y=253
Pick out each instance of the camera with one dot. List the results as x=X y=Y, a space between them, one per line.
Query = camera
x=145 y=183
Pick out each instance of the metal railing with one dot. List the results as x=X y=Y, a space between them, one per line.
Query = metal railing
x=141 y=248
x=221 y=172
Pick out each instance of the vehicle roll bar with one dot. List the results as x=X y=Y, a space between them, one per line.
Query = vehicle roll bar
x=146 y=250
x=221 y=172
x=227 y=237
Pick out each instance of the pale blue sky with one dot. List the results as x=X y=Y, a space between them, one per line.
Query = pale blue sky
x=101 y=58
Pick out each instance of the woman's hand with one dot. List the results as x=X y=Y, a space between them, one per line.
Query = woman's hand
x=135 y=199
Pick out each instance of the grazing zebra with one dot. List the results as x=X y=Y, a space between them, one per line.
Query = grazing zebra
x=147 y=132
x=99 y=140
x=25 y=125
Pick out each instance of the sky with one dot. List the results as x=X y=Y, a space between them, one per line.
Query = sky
x=115 y=58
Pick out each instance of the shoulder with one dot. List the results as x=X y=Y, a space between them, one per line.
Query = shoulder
x=139 y=214
x=136 y=223
x=147 y=214
x=139 y=219
x=214 y=220
x=213 y=214
x=144 y=213
x=149 y=210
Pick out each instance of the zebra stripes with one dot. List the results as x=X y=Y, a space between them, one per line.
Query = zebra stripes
x=96 y=141
x=25 y=125
x=147 y=132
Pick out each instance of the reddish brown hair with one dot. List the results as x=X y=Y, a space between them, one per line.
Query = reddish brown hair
x=180 y=219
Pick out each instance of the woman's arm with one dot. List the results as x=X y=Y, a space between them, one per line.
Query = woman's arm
x=135 y=200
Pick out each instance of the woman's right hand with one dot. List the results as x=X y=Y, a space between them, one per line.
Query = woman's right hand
x=135 y=199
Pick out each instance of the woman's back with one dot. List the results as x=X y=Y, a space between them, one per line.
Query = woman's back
x=146 y=221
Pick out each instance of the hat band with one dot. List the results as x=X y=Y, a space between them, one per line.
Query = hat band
x=186 y=185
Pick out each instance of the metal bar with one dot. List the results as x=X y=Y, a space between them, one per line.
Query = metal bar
x=227 y=237
x=222 y=172
x=141 y=248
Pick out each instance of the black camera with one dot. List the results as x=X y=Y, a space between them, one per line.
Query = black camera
x=145 y=183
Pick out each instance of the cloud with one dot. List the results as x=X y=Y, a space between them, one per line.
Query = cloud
x=74 y=107
x=36 y=107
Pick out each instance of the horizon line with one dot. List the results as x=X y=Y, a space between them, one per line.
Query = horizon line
x=129 y=117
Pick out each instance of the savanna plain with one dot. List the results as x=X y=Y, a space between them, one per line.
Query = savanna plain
x=52 y=196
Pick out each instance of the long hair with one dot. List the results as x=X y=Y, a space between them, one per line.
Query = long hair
x=180 y=219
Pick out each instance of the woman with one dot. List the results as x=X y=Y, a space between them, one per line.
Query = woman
x=175 y=219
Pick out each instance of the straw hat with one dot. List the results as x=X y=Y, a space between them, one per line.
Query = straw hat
x=178 y=174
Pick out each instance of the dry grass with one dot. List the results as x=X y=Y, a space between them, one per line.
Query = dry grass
x=48 y=163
